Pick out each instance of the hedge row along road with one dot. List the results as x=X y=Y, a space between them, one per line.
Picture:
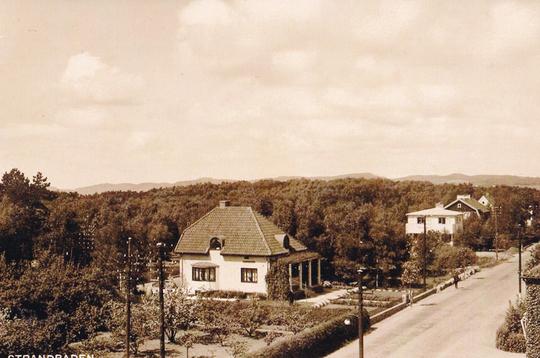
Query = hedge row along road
x=453 y=323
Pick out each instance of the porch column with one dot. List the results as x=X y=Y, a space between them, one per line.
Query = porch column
x=290 y=277
x=309 y=273
x=319 y=271
x=300 y=274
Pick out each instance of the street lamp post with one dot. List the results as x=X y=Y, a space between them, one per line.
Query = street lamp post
x=160 y=246
x=360 y=315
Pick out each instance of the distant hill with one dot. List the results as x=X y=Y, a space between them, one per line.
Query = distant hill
x=101 y=188
x=344 y=176
x=479 y=180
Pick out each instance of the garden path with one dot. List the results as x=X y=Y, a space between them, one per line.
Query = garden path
x=322 y=300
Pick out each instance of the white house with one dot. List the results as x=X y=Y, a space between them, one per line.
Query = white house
x=231 y=248
x=436 y=219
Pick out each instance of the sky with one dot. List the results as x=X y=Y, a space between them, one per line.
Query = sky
x=137 y=91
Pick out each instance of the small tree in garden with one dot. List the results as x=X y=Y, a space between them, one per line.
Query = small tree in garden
x=277 y=281
x=421 y=250
x=187 y=340
x=180 y=313
x=144 y=321
x=411 y=273
x=251 y=318
x=237 y=348
x=215 y=321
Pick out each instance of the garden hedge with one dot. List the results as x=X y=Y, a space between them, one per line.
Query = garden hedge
x=317 y=341
x=510 y=337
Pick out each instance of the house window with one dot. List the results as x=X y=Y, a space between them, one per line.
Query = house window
x=459 y=205
x=204 y=274
x=420 y=220
x=442 y=220
x=249 y=275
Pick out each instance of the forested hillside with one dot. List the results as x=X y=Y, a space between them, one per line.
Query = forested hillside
x=348 y=221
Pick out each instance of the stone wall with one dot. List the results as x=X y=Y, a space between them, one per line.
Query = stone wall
x=532 y=279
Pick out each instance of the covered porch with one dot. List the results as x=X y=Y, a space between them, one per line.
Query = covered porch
x=304 y=270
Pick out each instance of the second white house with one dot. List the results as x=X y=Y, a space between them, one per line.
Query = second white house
x=437 y=219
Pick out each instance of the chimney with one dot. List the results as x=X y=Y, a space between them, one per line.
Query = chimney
x=468 y=196
x=224 y=203
x=439 y=205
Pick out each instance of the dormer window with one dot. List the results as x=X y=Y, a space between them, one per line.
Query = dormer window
x=283 y=240
x=215 y=244
x=286 y=242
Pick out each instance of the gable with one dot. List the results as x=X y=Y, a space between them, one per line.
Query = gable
x=458 y=205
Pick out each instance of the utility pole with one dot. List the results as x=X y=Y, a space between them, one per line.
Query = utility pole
x=496 y=208
x=161 y=304
x=519 y=237
x=424 y=249
x=360 y=316
x=128 y=299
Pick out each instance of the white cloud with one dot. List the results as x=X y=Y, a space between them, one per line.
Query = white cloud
x=91 y=80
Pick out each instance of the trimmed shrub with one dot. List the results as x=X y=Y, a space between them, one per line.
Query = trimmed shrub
x=222 y=294
x=510 y=336
x=535 y=258
x=316 y=341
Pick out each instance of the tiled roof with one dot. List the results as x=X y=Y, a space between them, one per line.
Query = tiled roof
x=475 y=204
x=472 y=203
x=435 y=212
x=243 y=231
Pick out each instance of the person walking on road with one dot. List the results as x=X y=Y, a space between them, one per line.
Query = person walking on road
x=456 y=279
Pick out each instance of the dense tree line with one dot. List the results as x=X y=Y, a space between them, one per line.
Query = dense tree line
x=348 y=221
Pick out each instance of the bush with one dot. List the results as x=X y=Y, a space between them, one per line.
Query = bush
x=510 y=336
x=26 y=336
x=316 y=341
x=62 y=303
x=448 y=258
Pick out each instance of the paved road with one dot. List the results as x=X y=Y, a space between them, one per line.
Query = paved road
x=454 y=323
